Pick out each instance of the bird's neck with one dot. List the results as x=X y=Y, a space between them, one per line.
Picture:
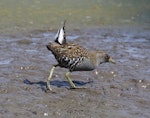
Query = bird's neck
x=94 y=59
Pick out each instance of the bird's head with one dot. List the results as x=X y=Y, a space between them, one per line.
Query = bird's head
x=107 y=58
x=103 y=58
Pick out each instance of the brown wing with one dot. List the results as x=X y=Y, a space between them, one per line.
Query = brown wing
x=68 y=50
x=68 y=55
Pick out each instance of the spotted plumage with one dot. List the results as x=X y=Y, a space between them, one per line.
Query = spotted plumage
x=69 y=55
x=73 y=56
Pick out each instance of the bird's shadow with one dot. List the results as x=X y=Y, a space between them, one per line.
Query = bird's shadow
x=56 y=83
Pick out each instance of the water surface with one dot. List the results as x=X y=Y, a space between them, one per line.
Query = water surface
x=28 y=15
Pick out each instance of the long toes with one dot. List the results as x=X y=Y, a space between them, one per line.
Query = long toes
x=48 y=89
x=77 y=88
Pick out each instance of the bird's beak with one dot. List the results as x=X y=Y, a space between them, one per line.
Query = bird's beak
x=111 y=60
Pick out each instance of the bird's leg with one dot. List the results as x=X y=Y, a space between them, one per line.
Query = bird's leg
x=70 y=81
x=48 y=88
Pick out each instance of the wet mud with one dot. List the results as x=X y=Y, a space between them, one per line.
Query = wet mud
x=120 y=90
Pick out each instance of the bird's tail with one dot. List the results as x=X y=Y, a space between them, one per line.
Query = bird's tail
x=60 y=37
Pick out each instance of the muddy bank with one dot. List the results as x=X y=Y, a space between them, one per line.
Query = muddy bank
x=113 y=91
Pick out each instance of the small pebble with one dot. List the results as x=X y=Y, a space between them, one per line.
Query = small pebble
x=102 y=76
x=136 y=65
x=114 y=75
x=112 y=72
x=27 y=68
x=140 y=81
x=17 y=76
x=96 y=72
x=144 y=86
x=46 y=105
x=45 y=114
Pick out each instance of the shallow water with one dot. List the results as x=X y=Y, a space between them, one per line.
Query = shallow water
x=25 y=15
x=120 y=90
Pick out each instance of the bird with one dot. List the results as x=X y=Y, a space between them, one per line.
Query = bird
x=73 y=57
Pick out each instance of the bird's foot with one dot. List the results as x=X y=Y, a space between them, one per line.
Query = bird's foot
x=78 y=87
x=48 y=89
